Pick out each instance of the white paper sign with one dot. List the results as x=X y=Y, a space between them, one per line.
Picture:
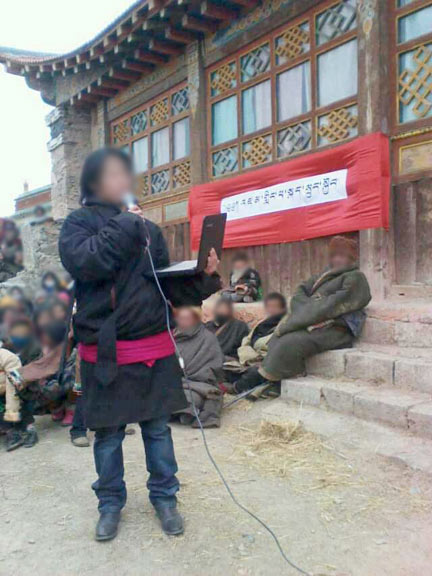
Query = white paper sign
x=299 y=193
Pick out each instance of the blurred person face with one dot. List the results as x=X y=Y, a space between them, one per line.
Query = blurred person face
x=49 y=283
x=222 y=312
x=20 y=336
x=186 y=319
x=240 y=264
x=16 y=294
x=115 y=181
x=19 y=257
x=9 y=316
x=274 y=308
x=58 y=312
x=44 y=319
x=340 y=260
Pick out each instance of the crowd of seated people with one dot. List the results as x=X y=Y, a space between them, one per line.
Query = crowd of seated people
x=11 y=252
x=33 y=333
x=224 y=355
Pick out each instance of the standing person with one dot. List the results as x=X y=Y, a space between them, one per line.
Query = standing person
x=129 y=370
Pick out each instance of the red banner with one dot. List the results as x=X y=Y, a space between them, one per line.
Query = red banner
x=340 y=190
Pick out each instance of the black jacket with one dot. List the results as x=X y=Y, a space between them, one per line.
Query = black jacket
x=117 y=297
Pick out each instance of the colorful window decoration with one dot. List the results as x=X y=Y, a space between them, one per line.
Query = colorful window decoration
x=413 y=66
x=277 y=98
x=158 y=138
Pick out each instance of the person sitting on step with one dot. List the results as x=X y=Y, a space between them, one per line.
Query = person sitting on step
x=229 y=331
x=203 y=360
x=326 y=313
x=245 y=282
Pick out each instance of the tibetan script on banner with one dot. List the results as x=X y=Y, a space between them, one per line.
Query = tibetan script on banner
x=299 y=193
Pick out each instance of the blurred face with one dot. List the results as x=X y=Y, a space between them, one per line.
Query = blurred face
x=339 y=260
x=44 y=319
x=9 y=316
x=186 y=319
x=115 y=181
x=240 y=264
x=273 y=308
x=223 y=311
x=19 y=257
x=59 y=312
x=20 y=336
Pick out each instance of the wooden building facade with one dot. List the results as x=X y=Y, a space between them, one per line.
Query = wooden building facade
x=198 y=90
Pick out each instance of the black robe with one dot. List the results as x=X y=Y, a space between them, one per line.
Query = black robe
x=229 y=335
x=118 y=299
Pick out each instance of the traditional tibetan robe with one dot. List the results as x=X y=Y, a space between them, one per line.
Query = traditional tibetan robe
x=229 y=335
x=255 y=345
x=326 y=314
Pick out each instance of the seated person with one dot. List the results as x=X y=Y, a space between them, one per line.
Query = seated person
x=326 y=314
x=203 y=360
x=10 y=405
x=245 y=282
x=229 y=331
x=255 y=345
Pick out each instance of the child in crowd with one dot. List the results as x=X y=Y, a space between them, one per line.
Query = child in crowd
x=245 y=282
x=10 y=406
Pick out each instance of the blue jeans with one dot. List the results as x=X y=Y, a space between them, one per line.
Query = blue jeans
x=110 y=487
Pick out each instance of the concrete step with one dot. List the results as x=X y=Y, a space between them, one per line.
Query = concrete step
x=403 y=323
x=389 y=365
x=408 y=410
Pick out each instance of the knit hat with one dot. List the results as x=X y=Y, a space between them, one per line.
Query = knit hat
x=343 y=245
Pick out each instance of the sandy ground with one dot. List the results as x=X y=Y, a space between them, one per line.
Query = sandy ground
x=336 y=514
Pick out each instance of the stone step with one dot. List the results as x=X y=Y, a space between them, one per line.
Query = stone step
x=376 y=365
x=407 y=410
x=405 y=324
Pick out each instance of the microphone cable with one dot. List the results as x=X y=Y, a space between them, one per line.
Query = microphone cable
x=209 y=454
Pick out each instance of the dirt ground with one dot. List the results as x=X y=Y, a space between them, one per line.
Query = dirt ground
x=336 y=513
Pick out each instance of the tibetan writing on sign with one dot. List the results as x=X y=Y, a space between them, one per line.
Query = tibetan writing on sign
x=299 y=193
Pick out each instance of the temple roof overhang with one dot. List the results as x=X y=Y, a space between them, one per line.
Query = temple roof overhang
x=146 y=35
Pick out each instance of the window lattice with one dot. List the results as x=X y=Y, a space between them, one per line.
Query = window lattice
x=121 y=132
x=139 y=122
x=160 y=181
x=257 y=151
x=294 y=139
x=181 y=175
x=180 y=101
x=142 y=185
x=223 y=79
x=337 y=125
x=335 y=21
x=159 y=112
x=415 y=85
x=225 y=161
x=292 y=43
x=255 y=62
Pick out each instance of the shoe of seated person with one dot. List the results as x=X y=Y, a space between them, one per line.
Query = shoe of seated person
x=14 y=439
x=58 y=414
x=67 y=418
x=30 y=438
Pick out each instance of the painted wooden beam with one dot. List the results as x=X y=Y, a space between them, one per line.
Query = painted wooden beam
x=149 y=57
x=180 y=36
x=113 y=83
x=198 y=24
x=164 y=48
x=136 y=66
x=122 y=74
x=216 y=11
x=99 y=90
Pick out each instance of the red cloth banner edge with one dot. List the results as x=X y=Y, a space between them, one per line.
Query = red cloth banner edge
x=367 y=159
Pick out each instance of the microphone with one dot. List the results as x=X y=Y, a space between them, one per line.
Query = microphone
x=130 y=201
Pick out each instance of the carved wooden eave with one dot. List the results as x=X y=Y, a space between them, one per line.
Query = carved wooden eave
x=147 y=35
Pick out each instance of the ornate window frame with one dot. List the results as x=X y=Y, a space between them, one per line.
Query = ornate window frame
x=412 y=140
x=321 y=126
x=170 y=178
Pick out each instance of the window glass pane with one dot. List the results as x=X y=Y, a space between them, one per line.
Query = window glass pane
x=224 y=120
x=181 y=138
x=401 y=3
x=160 y=147
x=415 y=84
x=337 y=73
x=140 y=155
x=293 y=92
x=415 y=24
x=256 y=107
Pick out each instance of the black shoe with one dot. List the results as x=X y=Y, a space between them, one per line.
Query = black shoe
x=172 y=522
x=250 y=379
x=30 y=438
x=14 y=440
x=107 y=526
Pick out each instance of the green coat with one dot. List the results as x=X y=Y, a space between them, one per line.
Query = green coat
x=327 y=297
x=326 y=314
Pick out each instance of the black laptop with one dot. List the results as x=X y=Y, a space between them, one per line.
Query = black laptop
x=212 y=236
